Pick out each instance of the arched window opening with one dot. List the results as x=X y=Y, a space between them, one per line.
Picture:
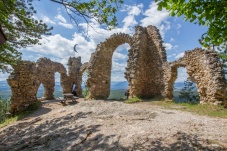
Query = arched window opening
x=185 y=89
x=84 y=85
x=40 y=91
x=57 y=86
x=118 y=82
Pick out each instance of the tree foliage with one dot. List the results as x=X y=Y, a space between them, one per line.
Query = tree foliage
x=4 y=109
x=103 y=11
x=211 y=13
x=21 y=29
x=187 y=93
x=223 y=55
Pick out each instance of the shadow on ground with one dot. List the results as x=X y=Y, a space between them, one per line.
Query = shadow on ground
x=66 y=133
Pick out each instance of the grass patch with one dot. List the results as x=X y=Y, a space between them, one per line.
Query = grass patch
x=133 y=100
x=21 y=115
x=201 y=109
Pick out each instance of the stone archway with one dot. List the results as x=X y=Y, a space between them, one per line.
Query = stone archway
x=205 y=69
x=46 y=70
x=99 y=68
x=170 y=76
x=144 y=71
x=81 y=72
x=27 y=76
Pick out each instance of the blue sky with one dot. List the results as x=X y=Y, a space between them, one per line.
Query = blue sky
x=178 y=35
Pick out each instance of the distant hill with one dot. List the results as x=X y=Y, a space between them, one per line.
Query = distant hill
x=119 y=85
x=5 y=91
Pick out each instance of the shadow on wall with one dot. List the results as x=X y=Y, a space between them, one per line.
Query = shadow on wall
x=65 y=133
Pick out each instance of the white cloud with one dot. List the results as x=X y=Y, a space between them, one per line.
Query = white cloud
x=62 y=21
x=153 y=16
x=176 y=46
x=178 y=26
x=4 y=76
x=48 y=20
x=60 y=18
x=66 y=25
x=156 y=18
x=182 y=75
x=134 y=10
x=172 y=55
x=172 y=39
x=164 y=27
x=168 y=46
x=179 y=55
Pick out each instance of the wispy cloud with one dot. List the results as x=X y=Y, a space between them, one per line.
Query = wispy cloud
x=156 y=18
x=179 y=55
x=63 y=22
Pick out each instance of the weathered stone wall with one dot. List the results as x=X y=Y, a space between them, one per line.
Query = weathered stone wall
x=144 y=67
x=46 y=74
x=205 y=69
x=144 y=72
x=24 y=84
x=74 y=65
x=99 y=69
x=27 y=76
x=148 y=72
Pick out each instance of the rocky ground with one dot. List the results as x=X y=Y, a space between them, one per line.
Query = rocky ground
x=103 y=125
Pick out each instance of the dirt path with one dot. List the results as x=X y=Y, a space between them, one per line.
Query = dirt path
x=104 y=125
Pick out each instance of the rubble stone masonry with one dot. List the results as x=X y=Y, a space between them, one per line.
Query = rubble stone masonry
x=148 y=72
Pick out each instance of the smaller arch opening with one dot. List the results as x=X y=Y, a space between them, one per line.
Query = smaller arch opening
x=57 y=86
x=40 y=91
x=84 y=84
x=185 y=89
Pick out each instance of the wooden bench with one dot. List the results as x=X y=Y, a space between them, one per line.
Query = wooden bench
x=74 y=98
x=61 y=99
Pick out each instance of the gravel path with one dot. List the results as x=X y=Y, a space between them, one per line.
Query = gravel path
x=104 y=125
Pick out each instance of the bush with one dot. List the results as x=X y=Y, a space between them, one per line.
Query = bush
x=4 y=109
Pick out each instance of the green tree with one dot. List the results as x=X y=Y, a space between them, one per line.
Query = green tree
x=223 y=55
x=187 y=93
x=211 y=13
x=103 y=11
x=20 y=28
x=23 y=30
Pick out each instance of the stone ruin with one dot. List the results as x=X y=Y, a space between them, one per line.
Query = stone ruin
x=148 y=72
x=28 y=76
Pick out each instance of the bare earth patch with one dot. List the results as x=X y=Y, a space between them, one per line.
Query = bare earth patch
x=104 y=125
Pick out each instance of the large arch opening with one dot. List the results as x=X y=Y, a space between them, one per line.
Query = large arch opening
x=118 y=81
x=99 y=69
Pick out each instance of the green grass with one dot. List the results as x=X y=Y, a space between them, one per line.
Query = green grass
x=133 y=100
x=117 y=95
x=201 y=109
x=21 y=115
